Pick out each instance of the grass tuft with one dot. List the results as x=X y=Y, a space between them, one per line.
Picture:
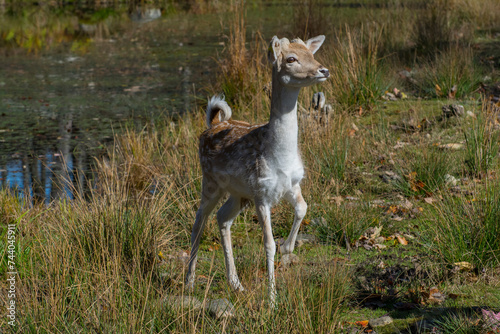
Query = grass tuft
x=357 y=77
x=467 y=229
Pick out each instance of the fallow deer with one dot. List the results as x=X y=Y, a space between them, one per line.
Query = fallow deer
x=257 y=163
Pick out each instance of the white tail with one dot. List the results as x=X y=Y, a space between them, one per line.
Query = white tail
x=217 y=105
x=257 y=163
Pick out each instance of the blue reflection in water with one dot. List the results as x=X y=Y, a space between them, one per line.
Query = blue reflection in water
x=55 y=170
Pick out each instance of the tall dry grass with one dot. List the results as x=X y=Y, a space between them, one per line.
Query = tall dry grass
x=358 y=76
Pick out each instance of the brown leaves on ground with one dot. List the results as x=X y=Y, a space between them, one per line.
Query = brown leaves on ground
x=371 y=239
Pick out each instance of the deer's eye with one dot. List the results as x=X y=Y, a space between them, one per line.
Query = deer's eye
x=291 y=60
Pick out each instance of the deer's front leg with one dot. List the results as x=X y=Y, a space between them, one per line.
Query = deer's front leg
x=264 y=214
x=294 y=197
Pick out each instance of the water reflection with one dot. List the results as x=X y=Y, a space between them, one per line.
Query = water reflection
x=42 y=171
x=35 y=177
x=71 y=77
x=143 y=15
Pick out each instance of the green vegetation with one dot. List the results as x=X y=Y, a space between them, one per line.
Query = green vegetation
x=404 y=207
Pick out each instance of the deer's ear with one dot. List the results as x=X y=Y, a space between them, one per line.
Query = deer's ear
x=313 y=44
x=274 y=51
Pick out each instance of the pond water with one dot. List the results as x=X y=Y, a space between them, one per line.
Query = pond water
x=71 y=76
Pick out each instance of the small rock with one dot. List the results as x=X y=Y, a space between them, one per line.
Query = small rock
x=453 y=110
x=289 y=259
x=471 y=114
x=379 y=322
x=400 y=144
x=303 y=238
x=220 y=308
x=183 y=302
x=389 y=96
x=390 y=176
x=451 y=146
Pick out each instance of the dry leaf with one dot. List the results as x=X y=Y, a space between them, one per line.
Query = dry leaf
x=402 y=240
x=213 y=247
x=363 y=323
x=464 y=266
x=438 y=90
x=451 y=146
x=429 y=200
x=133 y=89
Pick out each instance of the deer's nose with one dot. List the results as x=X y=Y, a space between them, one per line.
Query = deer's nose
x=325 y=72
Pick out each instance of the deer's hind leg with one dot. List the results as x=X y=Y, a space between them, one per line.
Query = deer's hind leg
x=210 y=196
x=225 y=217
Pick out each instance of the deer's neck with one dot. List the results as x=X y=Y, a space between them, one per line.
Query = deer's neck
x=283 y=120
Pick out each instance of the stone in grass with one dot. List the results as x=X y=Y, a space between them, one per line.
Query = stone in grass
x=380 y=322
x=453 y=110
x=183 y=302
x=303 y=238
x=289 y=259
x=220 y=308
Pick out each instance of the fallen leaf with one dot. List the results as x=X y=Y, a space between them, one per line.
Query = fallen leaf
x=429 y=200
x=402 y=240
x=362 y=323
x=438 y=90
x=133 y=89
x=464 y=266
x=213 y=247
x=451 y=146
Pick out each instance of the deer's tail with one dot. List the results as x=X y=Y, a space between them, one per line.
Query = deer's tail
x=217 y=105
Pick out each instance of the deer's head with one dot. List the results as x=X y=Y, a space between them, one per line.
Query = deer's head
x=294 y=61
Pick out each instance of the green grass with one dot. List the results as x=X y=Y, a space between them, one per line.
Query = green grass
x=467 y=229
x=422 y=171
x=481 y=145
